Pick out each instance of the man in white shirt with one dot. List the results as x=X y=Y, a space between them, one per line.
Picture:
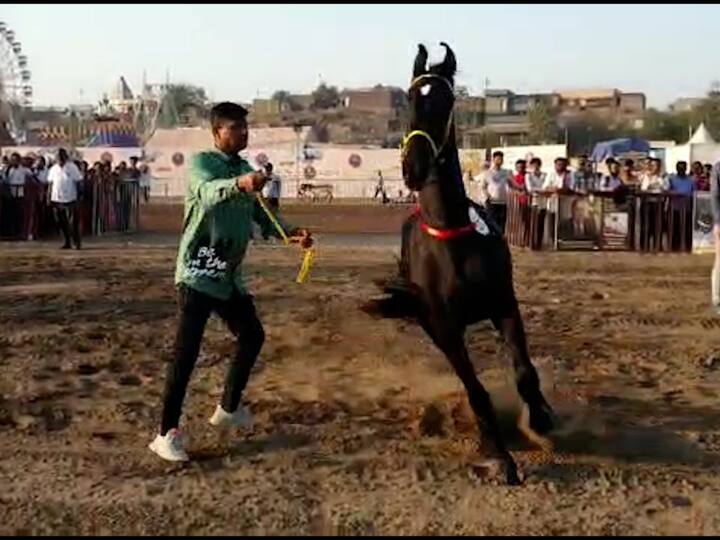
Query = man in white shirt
x=560 y=178
x=63 y=178
x=652 y=222
x=535 y=176
x=494 y=184
x=653 y=180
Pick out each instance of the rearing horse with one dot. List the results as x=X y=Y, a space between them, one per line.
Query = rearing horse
x=455 y=267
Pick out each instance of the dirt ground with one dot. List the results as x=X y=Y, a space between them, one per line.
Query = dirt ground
x=628 y=352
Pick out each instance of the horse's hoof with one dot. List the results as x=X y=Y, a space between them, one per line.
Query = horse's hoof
x=495 y=469
x=536 y=425
x=542 y=419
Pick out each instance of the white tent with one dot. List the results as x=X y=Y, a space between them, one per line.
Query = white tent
x=701 y=147
x=701 y=136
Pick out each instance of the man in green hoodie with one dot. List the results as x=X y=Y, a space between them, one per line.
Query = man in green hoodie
x=220 y=207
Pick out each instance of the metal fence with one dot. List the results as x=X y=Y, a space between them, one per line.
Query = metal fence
x=103 y=207
x=646 y=222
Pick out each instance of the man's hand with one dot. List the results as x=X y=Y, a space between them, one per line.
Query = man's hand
x=253 y=181
x=303 y=237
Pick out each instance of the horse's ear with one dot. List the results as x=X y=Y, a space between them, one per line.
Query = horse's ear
x=449 y=65
x=420 y=66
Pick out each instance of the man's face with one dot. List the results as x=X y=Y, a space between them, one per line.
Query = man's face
x=133 y=163
x=535 y=167
x=681 y=168
x=232 y=136
x=498 y=161
x=582 y=164
x=520 y=167
x=697 y=168
x=560 y=165
x=614 y=168
x=653 y=167
x=62 y=157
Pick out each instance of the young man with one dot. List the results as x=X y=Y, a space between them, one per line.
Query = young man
x=63 y=178
x=220 y=206
x=652 y=222
x=683 y=186
x=715 y=194
x=583 y=179
x=653 y=180
x=17 y=175
x=535 y=177
x=494 y=184
x=611 y=181
x=380 y=188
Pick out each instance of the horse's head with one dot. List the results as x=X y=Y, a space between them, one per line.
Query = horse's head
x=431 y=97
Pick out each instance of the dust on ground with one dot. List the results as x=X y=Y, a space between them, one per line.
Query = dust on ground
x=628 y=352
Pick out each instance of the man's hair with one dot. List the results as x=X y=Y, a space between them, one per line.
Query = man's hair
x=519 y=161
x=609 y=161
x=681 y=162
x=497 y=153
x=226 y=112
x=536 y=160
x=269 y=167
x=561 y=159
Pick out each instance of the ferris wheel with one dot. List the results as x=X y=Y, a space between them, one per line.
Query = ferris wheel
x=15 y=87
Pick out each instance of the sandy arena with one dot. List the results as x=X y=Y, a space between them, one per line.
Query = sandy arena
x=362 y=428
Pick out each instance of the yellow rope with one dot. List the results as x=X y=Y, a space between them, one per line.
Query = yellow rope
x=309 y=253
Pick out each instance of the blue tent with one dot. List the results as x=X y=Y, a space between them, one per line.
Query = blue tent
x=115 y=136
x=618 y=147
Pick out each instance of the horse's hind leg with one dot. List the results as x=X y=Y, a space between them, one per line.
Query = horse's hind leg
x=451 y=342
x=526 y=377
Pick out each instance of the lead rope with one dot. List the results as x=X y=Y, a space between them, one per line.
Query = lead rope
x=308 y=253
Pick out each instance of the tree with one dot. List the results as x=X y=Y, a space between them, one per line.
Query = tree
x=325 y=97
x=462 y=92
x=178 y=100
x=543 y=128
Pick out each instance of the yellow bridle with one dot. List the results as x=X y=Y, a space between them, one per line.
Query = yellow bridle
x=424 y=134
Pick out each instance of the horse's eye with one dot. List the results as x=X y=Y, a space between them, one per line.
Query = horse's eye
x=425 y=90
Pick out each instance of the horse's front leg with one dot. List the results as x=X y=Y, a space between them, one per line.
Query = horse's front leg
x=449 y=337
x=542 y=418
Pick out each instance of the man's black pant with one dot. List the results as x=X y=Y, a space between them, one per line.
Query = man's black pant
x=195 y=308
x=499 y=214
x=67 y=213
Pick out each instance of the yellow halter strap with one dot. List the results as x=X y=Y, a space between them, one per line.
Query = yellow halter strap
x=424 y=134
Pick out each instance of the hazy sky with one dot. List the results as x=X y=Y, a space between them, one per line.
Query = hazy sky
x=77 y=52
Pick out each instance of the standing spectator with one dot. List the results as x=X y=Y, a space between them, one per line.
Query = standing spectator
x=583 y=179
x=627 y=173
x=494 y=184
x=652 y=223
x=612 y=180
x=653 y=180
x=708 y=170
x=4 y=165
x=17 y=175
x=715 y=191
x=64 y=178
x=31 y=211
x=380 y=188
x=702 y=181
x=519 y=184
x=145 y=180
x=559 y=179
x=535 y=177
x=538 y=210
x=682 y=186
x=272 y=192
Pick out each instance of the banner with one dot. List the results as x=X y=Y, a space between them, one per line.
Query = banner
x=579 y=222
x=702 y=235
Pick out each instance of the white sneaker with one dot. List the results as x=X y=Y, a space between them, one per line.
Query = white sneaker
x=240 y=418
x=170 y=446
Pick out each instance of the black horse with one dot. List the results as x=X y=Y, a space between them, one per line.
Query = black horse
x=455 y=268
